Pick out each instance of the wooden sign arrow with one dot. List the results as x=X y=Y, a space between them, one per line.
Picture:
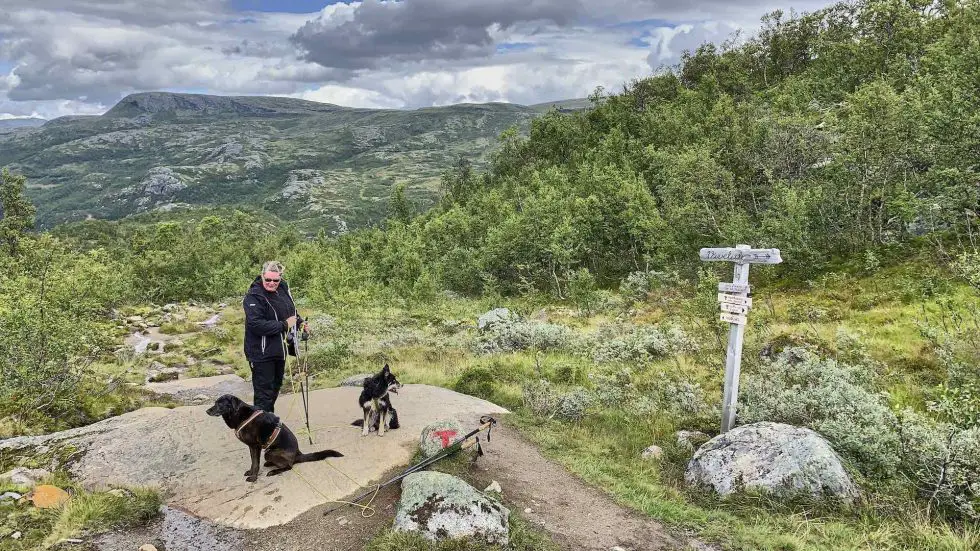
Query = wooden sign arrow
x=734 y=287
x=733 y=318
x=734 y=299
x=734 y=308
x=742 y=256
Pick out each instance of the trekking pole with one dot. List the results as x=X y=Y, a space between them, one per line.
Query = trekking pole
x=306 y=374
x=304 y=390
x=486 y=423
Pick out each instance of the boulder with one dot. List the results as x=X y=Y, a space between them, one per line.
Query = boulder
x=441 y=506
x=439 y=435
x=493 y=317
x=772 y=457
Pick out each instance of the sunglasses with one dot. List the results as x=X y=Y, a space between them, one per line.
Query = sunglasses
x=267 y=280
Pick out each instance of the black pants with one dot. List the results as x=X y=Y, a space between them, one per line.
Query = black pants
x=266 y=382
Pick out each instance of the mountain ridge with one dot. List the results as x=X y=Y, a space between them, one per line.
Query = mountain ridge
x=319 y=164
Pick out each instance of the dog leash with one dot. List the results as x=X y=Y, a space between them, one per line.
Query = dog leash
x=472 y=438
x=272 y=438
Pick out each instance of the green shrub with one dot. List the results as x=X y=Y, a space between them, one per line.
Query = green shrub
x=521 y=335
x=328 y=357
x=476 y=381
x=943 y=463
x=832 y=398
x=639 y=343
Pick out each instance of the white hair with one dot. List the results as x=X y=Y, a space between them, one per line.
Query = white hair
x=272 y=266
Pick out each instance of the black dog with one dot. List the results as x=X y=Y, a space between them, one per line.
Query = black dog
x=376 y=403
x=262 y=430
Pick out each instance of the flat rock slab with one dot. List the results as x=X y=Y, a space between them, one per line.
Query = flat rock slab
x=198 y=464
x=212 y=387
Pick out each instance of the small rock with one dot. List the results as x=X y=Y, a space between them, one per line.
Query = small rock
x=15 y=535
x=440 y=435
x=169 y=374
x=119 y=492
x=343 y=522
x=355 y=380
x=223 y=305
x=10 y=496
x=22 y=476
x=653 y=452
x=134 y=319
x=617 y=548
x=528 y=510
x=201 y=398
x=148 y=547
x=49 y=497
x=494 y=487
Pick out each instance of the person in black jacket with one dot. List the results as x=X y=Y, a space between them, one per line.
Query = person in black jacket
x=270 y=314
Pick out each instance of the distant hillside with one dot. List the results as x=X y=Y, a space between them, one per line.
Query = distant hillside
x=9 y=125
x=321 y=164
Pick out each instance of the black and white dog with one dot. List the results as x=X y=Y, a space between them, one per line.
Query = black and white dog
x=375 y=401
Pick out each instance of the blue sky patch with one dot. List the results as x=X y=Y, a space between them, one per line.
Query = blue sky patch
x=505 y=47
x=287 y=6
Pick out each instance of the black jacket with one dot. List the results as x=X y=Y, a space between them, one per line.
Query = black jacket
x=265 y=327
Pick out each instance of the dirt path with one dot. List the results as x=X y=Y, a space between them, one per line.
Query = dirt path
x=578 y=517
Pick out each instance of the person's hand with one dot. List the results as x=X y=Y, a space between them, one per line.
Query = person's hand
x=291 y=322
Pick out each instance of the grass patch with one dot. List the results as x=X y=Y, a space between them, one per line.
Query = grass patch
x=85 y=514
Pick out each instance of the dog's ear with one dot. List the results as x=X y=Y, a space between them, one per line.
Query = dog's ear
x=386 y=369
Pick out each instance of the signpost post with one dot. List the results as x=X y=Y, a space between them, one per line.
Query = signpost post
x=734 y=302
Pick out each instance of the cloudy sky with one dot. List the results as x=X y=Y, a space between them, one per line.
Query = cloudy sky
x=61 y=57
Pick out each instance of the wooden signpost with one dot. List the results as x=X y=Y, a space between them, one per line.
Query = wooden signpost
x=734 y=302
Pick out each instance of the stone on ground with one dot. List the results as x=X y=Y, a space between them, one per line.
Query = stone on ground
x=355 y=380
x=440 y=435
x=493 y=317
x=203 y=388
x=771 y=457
x=197 y=464
x=46 y=496
x=22 y=476
x=442 y=506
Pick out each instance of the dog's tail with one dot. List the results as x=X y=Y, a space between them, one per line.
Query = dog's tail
x=317 y=456
x=358 y=423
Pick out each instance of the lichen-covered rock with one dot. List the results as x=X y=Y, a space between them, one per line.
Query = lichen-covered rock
x=355 y=380
x=772 y=457
x=439 y=435
x=493 y=317
x=441 y=506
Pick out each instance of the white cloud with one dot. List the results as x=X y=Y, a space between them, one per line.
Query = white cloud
x=83 y=56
